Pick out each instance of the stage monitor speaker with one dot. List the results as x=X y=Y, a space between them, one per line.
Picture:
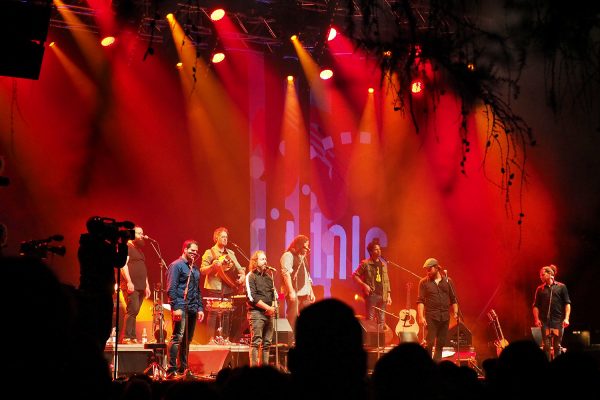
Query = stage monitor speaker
x=209 y=362
x=370 y=333
x=285 y=333
x=130 y=361
x=23 y=31
x=459 y=334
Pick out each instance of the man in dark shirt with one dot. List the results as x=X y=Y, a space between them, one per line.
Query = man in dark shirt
x=183 y=288
x=436 y=295
x=261 y=307
x=551 y=310
x=134 y=284
x=372 y=276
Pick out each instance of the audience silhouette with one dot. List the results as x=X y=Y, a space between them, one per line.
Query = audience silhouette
x=329 y=360
x=50 y=354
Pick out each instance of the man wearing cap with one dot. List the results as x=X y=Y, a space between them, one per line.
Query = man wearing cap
x=433 y=306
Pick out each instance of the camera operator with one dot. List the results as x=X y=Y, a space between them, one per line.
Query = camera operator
x=101 y=250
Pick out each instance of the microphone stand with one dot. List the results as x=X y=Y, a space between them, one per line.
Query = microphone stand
x=185 y=317
x=162 y=267
x=160 y=350
x=453 y=292
x=236 y=317
x=117 y=330
x=378 y=325
x=401 y=267
x=241 y=252
x=275 y=330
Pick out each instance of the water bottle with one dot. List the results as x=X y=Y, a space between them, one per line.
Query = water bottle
x=113 y=336
x=144 y=336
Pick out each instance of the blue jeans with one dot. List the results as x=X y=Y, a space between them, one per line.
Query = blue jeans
x=376 y=300
x=261 y=336
x=180 y=341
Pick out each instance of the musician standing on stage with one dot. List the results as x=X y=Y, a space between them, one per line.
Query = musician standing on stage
x=134 y=283
x=261 y=295
x=551 y=310
x=372 y=276
x=224 y=278
x=436 y=295
x=296 y=278
x=185 y=299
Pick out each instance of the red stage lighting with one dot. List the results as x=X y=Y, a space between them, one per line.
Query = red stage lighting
x=417 y=86
x=326 y=74
x=218 y=57
x=217 y=14
x=108 y=41
x=332 y=34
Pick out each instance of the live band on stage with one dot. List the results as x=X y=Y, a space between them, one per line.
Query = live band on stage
x=238 y=306
x=224 y=296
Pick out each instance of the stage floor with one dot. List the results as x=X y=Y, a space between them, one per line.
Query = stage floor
x=204 y=359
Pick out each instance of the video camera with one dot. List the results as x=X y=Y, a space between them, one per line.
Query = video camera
x=110 y=229
x=41 y=247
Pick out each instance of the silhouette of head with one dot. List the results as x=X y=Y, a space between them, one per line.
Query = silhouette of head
x=329 y=352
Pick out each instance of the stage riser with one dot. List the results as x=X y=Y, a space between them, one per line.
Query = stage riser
x=203 y=360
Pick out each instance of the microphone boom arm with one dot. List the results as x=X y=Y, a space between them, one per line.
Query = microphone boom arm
x=401 y=267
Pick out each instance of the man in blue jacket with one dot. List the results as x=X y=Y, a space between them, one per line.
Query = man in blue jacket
x=185 y=299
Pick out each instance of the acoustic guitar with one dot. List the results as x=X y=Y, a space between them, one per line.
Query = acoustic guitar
x=500 y=341
x=408 y=317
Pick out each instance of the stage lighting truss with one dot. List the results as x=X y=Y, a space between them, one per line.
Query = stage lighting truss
x=262 y=24
x=256 y=21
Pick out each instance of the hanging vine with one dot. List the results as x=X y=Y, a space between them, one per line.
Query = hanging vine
x=480 y=66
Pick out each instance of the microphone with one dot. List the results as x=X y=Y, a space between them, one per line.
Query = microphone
x=269 y=267
x=146 y=237
x=446 y=274
x=235 y=244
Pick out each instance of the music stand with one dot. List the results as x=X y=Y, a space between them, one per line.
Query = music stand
x=156 y=369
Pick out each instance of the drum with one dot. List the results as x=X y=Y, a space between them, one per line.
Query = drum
x=217 y=304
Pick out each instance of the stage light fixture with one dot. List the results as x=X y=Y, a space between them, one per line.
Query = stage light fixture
x=326 y=74
x=217 y=57
x=179 y=65
x=417 y=86
x=293 y=38
x=108 y=41
x=371 y=90
x=217 y=14
x=332 y=34
x=290 y=78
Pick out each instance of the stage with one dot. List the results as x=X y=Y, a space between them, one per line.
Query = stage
x=207 y=360
x=204 y=360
